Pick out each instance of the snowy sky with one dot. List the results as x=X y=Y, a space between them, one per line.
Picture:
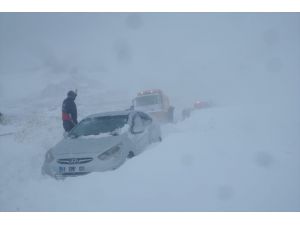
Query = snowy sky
x=227 y=57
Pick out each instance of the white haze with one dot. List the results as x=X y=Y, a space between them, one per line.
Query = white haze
x=246 y=64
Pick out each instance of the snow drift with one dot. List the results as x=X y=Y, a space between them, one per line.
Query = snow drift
x=240 y=155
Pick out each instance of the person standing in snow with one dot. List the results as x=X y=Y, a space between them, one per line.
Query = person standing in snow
x=69 y=111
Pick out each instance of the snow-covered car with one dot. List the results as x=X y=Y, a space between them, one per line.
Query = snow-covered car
x=201 y=104
x=101 y=142
x=186 y=113
x=156 y=103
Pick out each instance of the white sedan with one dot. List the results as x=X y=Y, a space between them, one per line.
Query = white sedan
x=101 y=142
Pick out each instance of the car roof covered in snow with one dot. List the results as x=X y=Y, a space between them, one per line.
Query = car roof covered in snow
x=112 y=113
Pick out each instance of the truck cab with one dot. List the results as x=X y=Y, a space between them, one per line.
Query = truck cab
x=155 y=103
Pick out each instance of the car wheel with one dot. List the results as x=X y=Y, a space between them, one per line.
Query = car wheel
x=130 y=155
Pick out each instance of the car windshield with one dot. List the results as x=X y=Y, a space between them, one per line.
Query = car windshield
x=99 y=125
x=148 y=100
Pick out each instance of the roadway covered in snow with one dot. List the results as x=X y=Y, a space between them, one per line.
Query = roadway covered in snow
x=219 y=159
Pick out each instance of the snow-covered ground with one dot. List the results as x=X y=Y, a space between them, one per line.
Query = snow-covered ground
x=242 y=154
x=243 y=158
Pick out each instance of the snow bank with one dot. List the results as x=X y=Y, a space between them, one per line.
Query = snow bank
x=220 y=159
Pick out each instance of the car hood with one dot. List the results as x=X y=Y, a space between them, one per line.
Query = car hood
x=82 y=145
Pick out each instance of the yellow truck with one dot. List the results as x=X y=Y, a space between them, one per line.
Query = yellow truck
x=155 y=103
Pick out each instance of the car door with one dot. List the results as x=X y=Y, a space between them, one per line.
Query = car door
x=139 y=134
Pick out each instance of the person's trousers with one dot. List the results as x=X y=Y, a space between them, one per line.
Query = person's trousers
x=68 y=125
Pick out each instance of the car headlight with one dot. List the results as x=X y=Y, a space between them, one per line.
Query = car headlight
x=112 y=152
x=49 y=157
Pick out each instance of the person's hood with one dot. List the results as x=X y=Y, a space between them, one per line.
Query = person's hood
x=86 y=145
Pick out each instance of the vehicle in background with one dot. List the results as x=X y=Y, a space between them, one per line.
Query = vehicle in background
x=155 y=103
x=201 y=104
x=101 y=142
x=4 y=119
x=186 y=112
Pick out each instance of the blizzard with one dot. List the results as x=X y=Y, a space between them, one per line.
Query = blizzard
x=241 y=154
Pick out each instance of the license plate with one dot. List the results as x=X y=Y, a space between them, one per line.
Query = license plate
x=71 y=169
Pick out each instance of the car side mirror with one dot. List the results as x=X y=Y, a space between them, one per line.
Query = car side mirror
x=148 y=122
x=137 y=129
x=137 y=125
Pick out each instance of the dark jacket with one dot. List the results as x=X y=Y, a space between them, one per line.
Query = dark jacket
x=69 y=110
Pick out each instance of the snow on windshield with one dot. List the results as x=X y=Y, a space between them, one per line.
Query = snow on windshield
x=99 y=125
x=115 y=132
